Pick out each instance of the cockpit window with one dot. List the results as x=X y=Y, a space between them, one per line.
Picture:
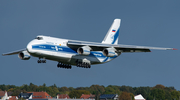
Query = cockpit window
x=39 y=38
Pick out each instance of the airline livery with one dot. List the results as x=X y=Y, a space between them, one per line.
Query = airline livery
x=79 y=53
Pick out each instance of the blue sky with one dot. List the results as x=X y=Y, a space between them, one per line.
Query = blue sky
x=145 y=23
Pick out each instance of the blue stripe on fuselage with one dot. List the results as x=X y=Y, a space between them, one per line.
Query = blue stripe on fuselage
x=56 y=48
x=53 y=48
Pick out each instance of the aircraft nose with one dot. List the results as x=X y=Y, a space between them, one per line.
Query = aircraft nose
x=29 y=47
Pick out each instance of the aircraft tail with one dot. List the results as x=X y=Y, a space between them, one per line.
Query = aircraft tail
x=113 y=33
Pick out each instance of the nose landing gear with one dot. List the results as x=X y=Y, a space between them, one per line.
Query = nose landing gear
x=41 y=61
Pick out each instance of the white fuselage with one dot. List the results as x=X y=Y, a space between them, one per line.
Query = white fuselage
x=56 y=49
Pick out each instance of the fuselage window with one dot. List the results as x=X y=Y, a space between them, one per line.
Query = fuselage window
x=39 y=38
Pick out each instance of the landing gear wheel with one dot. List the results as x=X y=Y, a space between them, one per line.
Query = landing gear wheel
x=83 y=64
x=58 y=65
x=43 y=61
x=39 y=61
x=61 y=65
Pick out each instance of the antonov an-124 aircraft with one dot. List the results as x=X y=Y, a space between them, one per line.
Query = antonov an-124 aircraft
x=79 y=53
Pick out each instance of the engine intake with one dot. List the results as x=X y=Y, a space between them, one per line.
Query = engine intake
x=109 y=52
x=24 y=55
x=85 y=50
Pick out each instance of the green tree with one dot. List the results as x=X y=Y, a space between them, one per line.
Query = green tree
x=149 y=97
x=3 y=87
x=112 y=90
x=11 y=90
x=78 y=93
x=25 y=87
x=158 y=94
x=70 y=88
x=126 y=96
x=64 y=90
x=175 y=95
x=33 y=88
x=109 y=90
x=127 y=89
x=43 y=88
x=159 y=86
x=44 y=85
x=16 y=92
x=167 y=95
x=97 y=89
x=54 y=91
x=145 y=91
x=132 y=96
x=54 y=85
x=83 y=88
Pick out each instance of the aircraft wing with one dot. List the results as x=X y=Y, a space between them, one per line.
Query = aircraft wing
x=134 y=48
x=13 y=52
x=119 y=47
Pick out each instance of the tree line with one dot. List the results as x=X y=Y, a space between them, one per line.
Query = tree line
x=158 y=92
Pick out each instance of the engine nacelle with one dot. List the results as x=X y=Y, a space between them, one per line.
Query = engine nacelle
x=85 y=50
x=24 y=55
x=109 y=52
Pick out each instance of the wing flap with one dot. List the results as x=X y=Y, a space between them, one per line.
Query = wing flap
x=13 y=52
x=133 y=48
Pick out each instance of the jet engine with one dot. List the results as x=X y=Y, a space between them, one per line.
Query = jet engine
x=24 y=55
x=85 y=50
x=109 y=52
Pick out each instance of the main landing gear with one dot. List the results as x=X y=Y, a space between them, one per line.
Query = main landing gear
x=66 y=66
x=83 y=65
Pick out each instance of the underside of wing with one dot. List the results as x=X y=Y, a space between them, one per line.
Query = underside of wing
x=13 y=52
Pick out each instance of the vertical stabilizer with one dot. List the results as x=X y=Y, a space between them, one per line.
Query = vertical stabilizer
x=113 y=33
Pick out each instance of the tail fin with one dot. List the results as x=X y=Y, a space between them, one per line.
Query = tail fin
x=113 y=33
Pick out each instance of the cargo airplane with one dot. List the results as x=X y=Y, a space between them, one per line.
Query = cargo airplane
x=79 y=53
